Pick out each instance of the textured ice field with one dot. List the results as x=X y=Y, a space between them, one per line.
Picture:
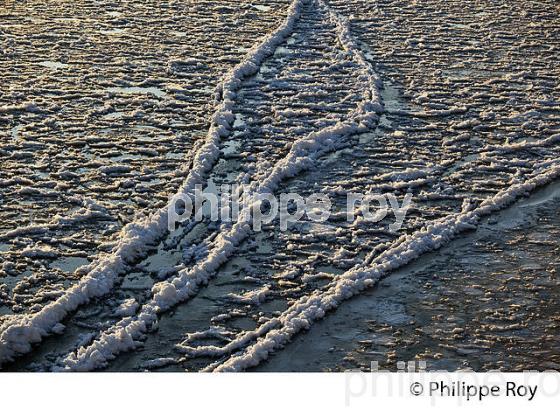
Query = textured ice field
x=108 y=108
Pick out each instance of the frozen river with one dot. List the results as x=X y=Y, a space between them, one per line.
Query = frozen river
x=109 y=108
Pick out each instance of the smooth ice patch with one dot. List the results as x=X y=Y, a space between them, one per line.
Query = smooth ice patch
x=54 y=65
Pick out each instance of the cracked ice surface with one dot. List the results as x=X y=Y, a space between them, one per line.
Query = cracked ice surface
x=90 y=143
x=104 y=126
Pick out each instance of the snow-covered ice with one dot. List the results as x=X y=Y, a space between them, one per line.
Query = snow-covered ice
x=441 y=100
